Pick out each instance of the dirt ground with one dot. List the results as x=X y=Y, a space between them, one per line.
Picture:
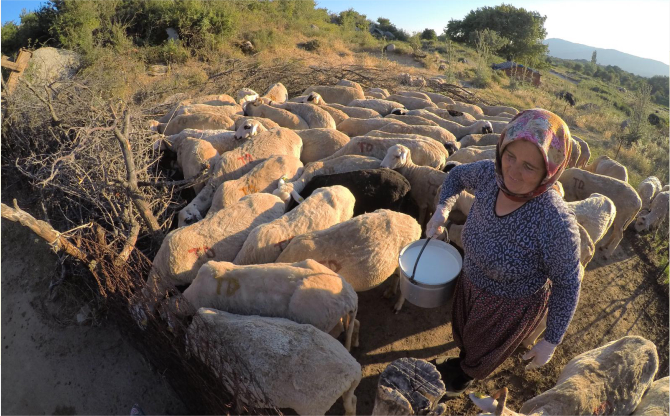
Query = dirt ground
x=52 y=365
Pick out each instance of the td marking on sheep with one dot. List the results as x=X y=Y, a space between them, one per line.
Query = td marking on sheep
x=365 y=147
x=579 y=184
x=233 y=285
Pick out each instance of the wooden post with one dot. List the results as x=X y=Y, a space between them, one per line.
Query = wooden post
x=408 y=386
x=17 y=67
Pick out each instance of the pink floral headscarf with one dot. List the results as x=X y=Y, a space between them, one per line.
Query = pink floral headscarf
x=551 y=135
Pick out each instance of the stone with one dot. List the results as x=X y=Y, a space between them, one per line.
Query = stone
x=48 y=65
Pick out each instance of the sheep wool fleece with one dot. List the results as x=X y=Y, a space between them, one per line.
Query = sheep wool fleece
x=512 y=256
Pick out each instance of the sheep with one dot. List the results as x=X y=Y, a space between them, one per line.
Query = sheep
x=411 y=103
x=647 y=190
x=324 y=208
x=369 y=255
x=414 y=94
x=193 y=156
x=459 y=131
x=355 y=112
x=473 y=154
x=372 y=95
x=438 y=98
x=222 y=140
x=575 y=154
x=383 y=107
x=449 y=145
x=595 y=213
x=244 y=95
x=284 y=118
x=315 y=116
x=424 y=180
x=226 y=110
x=347 y=163
x=237 y=162
x=579 y=184
x=338 y=94
x=218 y=237
x=424 y=152
x=359 y=126
x=202 y=121
x=320 y=143
x=382 y=91
x=373 y=189
x=223 y=99
x=494 y=110
x=316 y=99
x=412 y=80
x=294 y=365
x=305 y=292
x=412 y=120
x=604 y=165
x=352 y=84
x=655 y=400
x=276 y=93
x=262 y=178
x=464 y=108
x=479 y=140
x=656 y=216
x=439 y=115
x=436 y=133
x=585 y=152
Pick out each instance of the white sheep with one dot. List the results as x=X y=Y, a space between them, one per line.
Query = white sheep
x=595 y=213
x=237 y=162
x=411 y=103
x=579 y=184
x=359 y=126
x=218 y=237
x=222 y=140
x=382 y=91
x=262 y=178
x=320 y=143
x=647 y=190
x=464 y=108
x=338 y=94
x=383 y=107
x=606 y=380
x=437 y=133
x=222 y=99
x=201 y=121
x=425 y=181
x=414 y=94
x=494 y=110
x=575 y=154
x=305 y=292
x=370 y=255
x=276 y=93
x=284 y=118
x=449 y=145
x=585 y=152
x=604 y=165
x=315 y=116
x=479 y=127
x=424 y=152
x=438 y=98
x=352 y=84
x=316 y=99
x=194 y=156
x=294 y=365
x=656 y=216
x=324 y=208
x=479 y=140
x=226 y=110
x=655 y=400
x=412 y=120
x=369 y=95
x=355 y=112
x=473 y=154
x=439 y=115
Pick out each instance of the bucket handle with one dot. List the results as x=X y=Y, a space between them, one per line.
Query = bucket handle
x=411 y=279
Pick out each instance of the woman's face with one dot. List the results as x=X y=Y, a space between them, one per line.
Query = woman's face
x=522 y=167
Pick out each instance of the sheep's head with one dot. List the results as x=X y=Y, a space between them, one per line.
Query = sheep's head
x=487 y=127
x=245 y=95
x=450 y=165
x=452 y=147
x=248 y=106
x=455 y=113
x=188 y=216
x=642 y=223
x=396 y=157
x=314 y=98
x=249 y=129
x=399 y=111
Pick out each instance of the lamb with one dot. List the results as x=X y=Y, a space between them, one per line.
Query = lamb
x=315 y=116
x=494 y=110
x=305 y=292
x=647 y=190
x=320 y=143
x=655 y=400
x=223 y=99
x=575 y=154
x=194 y=156
x=324 y=208
x=202 y=121
x=284 y=118
x=359 y=126
x=411 y=103
x=424 y=152
x=338 y=94
x=262 y=178
x=579 y=184
x=370 y=255
x=237 y=162
x=219 y=237
x=595 y=213
x=383 y=107
x=424 y=180
x=585 y=153
x=604 y=165
x=656 y=216
x=355 y=112
x=607 y=380
x=473 y=154
x=437 y=133
x=449 y=145
x=479 y=140
x=294 y=365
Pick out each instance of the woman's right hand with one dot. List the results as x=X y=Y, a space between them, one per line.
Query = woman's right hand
x=435 y=225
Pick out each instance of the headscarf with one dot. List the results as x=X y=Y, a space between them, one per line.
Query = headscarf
x=552 y=137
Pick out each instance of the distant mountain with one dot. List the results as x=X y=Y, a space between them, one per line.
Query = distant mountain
x=563 y=49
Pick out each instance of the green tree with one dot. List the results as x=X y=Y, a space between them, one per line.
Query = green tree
x=351 y=20
x=523 y=30
x=593 y=58
x=429 y=34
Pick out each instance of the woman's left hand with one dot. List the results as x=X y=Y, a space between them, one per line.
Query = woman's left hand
x=541 y=353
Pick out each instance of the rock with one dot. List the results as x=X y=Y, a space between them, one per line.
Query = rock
x=172 y=34
x=653 y=119
x=655 y=400
x=247 y=47
x=48 y=65
x=463 y=60
x=443 y=67
x=390 y=47
x=389 y=35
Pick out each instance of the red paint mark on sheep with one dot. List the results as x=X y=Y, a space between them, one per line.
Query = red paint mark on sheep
x=282 y=244
x=246 y=158
x=199 y=251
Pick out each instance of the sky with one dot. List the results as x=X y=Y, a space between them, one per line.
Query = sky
x=637 y=27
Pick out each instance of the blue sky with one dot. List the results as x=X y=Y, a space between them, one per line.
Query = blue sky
x=638 y=27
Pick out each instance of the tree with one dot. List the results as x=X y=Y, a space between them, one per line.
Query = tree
x=350 y=19
x=523 y=30
x=593 y=58
x=428 y=34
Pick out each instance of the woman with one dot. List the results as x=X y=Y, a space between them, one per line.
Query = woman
x=521 y=248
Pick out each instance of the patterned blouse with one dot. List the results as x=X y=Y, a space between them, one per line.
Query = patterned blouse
x=513 y=255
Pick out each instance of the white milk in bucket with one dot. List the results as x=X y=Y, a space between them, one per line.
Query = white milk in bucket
x=436 y=265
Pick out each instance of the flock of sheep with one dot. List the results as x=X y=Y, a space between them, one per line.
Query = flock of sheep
x=309 y=202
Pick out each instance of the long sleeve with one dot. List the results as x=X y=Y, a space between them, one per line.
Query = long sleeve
x=467 y=176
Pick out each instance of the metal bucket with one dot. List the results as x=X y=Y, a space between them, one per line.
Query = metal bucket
x=435 y=268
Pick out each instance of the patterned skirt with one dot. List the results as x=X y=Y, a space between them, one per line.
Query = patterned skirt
x=488 y=328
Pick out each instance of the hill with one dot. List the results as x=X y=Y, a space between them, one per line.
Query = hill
x=563 y=49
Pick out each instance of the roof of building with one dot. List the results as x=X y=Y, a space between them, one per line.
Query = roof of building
x=511 y=64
